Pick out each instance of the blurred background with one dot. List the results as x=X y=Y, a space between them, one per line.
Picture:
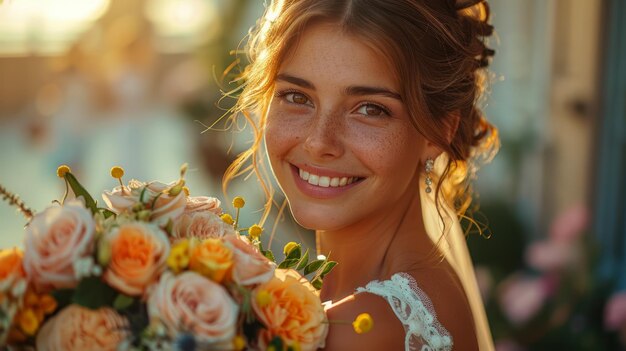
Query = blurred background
x=97 y=83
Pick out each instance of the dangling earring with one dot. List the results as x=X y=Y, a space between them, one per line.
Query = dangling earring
x=430 y=164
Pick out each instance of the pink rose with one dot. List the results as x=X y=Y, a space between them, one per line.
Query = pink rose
x=569 y=225
x=251 y=267
x=201 y=225
x=138 y=255
x=165 y=207
x=522 y=297
x=54 y=240
x=615 y=311
x=78 y=328
x=202 y=204
x=190 y=303
x=550 y=255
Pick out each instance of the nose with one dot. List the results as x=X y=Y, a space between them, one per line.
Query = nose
x=324 y=137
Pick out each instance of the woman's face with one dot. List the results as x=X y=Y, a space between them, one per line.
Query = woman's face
x=338 y=136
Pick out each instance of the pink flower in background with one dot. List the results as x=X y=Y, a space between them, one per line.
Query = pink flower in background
x=615 y=311
x=547 y=255
x=54 y=240
x=484 y=280
x=569 y=225
x=521 y=297
x=508 y=345
x=202 y=204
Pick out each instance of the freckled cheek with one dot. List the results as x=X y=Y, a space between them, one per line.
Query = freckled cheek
x=282 y=132
x=388 y=153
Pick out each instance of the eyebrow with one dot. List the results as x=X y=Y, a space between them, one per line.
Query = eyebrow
x=351 y=90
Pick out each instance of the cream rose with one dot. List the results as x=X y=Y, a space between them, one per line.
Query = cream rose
x=293 y=311
x=165 y=207
x=201 y=225
x=78 y=328
x=54 y=240
x=139 y=253
x=202 y=204
x=251 y=267
x=193 y=304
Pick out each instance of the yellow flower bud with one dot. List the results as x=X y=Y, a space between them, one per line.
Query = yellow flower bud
x=186 y=190
x=296 y=346
x=239 y=343
x=28 y=322
x=255 y=231
x=227 y=218
x=239 y=202
x=63 y=170
x=263 y=298
x=117 y=172
x=178 y=259
x=289 y=246
x=363 y=323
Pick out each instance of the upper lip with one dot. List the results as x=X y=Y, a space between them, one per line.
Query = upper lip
x=323 y=171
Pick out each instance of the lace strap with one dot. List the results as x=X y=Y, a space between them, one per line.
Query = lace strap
x=415 y=310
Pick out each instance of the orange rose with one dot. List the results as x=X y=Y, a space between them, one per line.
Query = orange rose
x=211 y=259
x=251 y=267
x=201 y=225
x=203 y=204
x=166 y=207
x=10 y=268
x=79 y=328
x=290 y=308
x=190 y=303
x=54 y=240
x=138 y=255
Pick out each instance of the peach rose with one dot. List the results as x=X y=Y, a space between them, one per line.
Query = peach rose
x=251 y=267
x=212 y=259
x=203 y=204
x=138 y=255
x=293 y=311
x=79 y=328
x=193 y=304
x=54 y=240
x=201 y=225
x=165 y=208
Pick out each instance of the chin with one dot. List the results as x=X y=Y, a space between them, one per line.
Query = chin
x=311 y=217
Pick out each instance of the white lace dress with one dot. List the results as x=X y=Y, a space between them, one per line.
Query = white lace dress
x=415 y=310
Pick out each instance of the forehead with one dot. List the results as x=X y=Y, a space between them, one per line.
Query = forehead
x=327 y=54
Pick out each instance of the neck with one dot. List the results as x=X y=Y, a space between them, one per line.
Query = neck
x=375 y=248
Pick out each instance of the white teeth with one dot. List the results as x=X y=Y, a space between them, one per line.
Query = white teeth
x=324 y=181
x=313 y=179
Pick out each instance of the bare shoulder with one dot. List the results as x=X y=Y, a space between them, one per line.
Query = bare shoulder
x=387 y=333
x=444 y=289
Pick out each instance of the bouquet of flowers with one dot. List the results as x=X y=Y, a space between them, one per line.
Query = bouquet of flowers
x=155 y=269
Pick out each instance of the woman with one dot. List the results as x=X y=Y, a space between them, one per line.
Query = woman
x=354 y=101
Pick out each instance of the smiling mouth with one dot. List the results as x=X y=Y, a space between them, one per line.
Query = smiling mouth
x=325 y=181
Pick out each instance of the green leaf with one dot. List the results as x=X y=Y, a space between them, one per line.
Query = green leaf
x=328 y=266
x=63 y=297
x=93 y=293
x=122 y=302
x=79 y=190
x=313 y=266
x=295 y=253
x=288 y=263
x=303 y=261
x=277 y=342
x=269 y=254
x=317 y=283
x=106 y=212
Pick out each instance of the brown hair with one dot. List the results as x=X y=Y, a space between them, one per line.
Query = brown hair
x=437 y=47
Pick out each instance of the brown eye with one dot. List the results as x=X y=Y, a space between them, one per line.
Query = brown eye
x=372 y=110
x=297 y=98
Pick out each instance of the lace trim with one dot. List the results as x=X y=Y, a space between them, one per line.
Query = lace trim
x=415 y=310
